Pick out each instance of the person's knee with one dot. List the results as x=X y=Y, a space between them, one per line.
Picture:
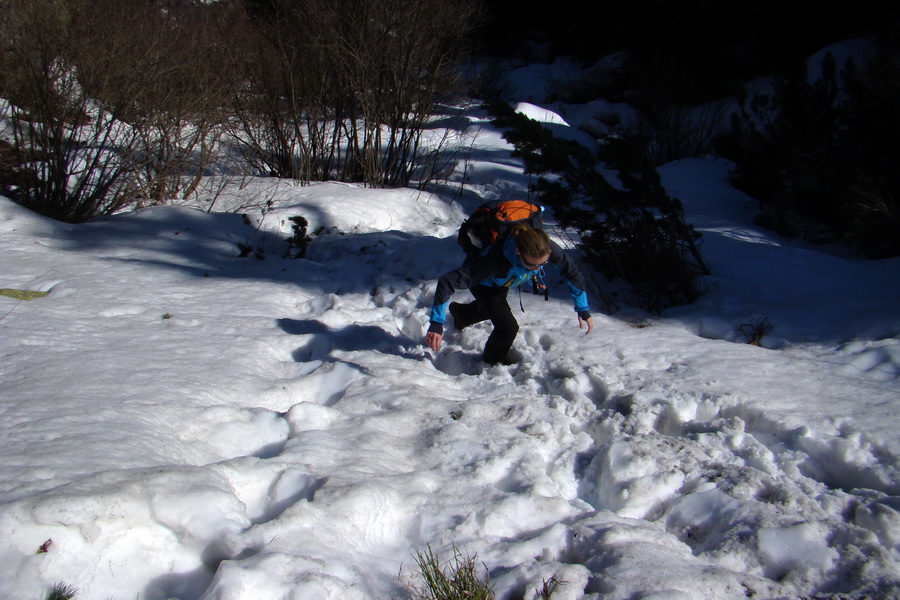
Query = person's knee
x=506 y=322
x=513 y=328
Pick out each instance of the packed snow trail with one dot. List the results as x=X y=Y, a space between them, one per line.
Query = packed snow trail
x=181 y=422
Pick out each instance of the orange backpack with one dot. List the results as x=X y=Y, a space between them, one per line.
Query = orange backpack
x=492 y=221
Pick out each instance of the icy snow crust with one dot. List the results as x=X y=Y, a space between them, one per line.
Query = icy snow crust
x=178 y=422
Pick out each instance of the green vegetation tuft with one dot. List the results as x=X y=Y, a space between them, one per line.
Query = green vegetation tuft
x=21 y=294
x=457 y=580
x=62 y=591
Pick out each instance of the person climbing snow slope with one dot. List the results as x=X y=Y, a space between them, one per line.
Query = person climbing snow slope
x=511 y=261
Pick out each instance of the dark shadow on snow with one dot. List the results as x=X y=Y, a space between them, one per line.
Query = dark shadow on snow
x=324 y=340
x=210 y=245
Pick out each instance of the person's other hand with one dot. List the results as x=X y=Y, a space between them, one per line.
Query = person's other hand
x=589 y=322
x=433 y=340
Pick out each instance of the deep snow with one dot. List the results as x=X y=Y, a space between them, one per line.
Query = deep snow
x=182 y=422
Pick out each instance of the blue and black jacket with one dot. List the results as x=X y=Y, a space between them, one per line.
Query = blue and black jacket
x=499 y=266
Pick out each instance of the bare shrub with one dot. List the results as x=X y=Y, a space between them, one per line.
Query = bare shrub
x=873 y=215
x=675 y=132
x=75 y=82
x=187 y=105
x=755 y=331
x=71 y=145
x=342 y=90
x=108 y=104
x=118 y=104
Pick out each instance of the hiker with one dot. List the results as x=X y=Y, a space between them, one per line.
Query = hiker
x=511 y=261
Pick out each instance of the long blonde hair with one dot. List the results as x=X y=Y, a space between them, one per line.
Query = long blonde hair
x=531 y=242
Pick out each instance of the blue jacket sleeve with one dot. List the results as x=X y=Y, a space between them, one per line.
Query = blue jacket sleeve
x=572 y=275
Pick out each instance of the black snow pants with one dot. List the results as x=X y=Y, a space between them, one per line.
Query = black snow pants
x=490 y=303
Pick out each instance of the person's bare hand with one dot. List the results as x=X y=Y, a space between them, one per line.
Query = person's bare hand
x=433 y=340
x=589 y=322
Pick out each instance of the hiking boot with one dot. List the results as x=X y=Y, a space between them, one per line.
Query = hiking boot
x=513 y=357
x=509 y=361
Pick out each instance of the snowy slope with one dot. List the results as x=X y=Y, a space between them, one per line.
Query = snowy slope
x=181 y=422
